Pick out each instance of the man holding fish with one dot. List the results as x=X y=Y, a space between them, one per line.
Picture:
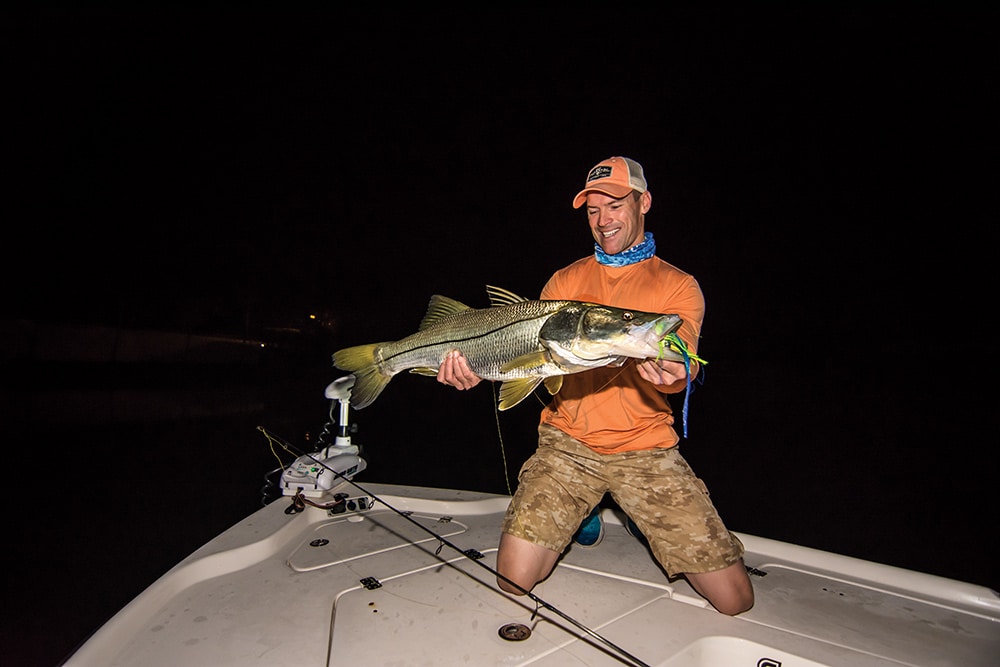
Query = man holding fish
x=610 y=429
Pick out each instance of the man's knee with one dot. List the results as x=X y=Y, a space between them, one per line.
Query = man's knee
x=728 y=590
x=521 y=564
x=514 y=588
x=738 y=601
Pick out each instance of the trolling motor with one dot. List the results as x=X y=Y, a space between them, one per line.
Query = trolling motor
x=315 y=475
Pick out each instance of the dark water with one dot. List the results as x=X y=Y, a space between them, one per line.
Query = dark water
x=111 y=487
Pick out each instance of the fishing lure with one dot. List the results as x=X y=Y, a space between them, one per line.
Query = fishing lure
x=676 y=344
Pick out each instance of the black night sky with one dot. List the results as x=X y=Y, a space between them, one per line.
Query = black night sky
x=829 y=176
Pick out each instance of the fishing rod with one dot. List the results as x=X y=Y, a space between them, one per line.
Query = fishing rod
x=343 y=397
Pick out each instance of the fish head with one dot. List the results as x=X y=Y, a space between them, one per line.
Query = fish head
x=587 y=334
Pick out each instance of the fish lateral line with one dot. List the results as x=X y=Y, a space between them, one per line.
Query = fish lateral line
x=446 y=341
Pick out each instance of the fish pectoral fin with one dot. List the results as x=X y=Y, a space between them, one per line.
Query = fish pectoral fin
x=424 y=370
x=554 y=383
x=513 y=392
x=527 y=362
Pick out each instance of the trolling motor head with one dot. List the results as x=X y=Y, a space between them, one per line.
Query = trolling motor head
x=340 y=389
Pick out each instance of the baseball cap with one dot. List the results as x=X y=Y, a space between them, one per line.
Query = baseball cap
x=615 y=177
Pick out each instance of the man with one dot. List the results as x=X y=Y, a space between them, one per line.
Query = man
x=610 y=430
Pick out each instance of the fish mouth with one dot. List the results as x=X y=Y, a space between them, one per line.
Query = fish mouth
x=663 y=332
x=655 y=331
x=667 y=324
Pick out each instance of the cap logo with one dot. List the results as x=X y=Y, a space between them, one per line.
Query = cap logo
x=599 y=172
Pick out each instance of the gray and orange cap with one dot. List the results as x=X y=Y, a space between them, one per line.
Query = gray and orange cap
x=615 y=177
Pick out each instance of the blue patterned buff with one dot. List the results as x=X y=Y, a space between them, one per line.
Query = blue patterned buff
x=636 y=253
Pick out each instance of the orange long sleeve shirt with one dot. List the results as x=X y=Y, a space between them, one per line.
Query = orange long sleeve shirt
x=613 y=409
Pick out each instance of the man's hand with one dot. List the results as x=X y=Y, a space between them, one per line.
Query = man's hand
x=455 y=371
x=661 y=372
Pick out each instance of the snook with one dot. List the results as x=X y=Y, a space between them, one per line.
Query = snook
x=520 y=342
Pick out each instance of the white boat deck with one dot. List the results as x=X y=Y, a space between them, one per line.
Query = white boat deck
x=368 y=587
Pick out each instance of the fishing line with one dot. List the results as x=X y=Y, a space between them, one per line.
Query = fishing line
x=503 y=452
x=470 y=553
x=503 y=449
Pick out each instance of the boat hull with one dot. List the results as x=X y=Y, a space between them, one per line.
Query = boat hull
x=404 y=576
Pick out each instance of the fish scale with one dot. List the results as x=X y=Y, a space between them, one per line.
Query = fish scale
x=520 y=342
x=487 y=337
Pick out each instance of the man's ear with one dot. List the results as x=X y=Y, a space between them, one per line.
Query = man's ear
x=645 y=201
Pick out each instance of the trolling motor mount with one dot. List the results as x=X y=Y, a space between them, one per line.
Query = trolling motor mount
x=315 y=475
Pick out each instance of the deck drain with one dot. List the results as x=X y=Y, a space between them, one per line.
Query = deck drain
x=515 y=632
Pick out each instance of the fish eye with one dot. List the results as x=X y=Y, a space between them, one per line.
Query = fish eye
x=627 y=316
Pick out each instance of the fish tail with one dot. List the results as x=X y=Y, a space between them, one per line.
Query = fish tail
x=369 y=382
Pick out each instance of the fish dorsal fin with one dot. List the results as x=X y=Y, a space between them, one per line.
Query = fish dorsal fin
x=513 y=392
x=441 y=306
x=501 y=297
x=554 y=383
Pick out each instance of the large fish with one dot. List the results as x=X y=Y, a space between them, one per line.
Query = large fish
x=520 y=342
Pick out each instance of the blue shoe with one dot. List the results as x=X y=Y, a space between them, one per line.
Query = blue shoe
x=591 y=531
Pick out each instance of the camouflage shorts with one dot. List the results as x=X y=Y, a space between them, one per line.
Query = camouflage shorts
x=564 y=479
